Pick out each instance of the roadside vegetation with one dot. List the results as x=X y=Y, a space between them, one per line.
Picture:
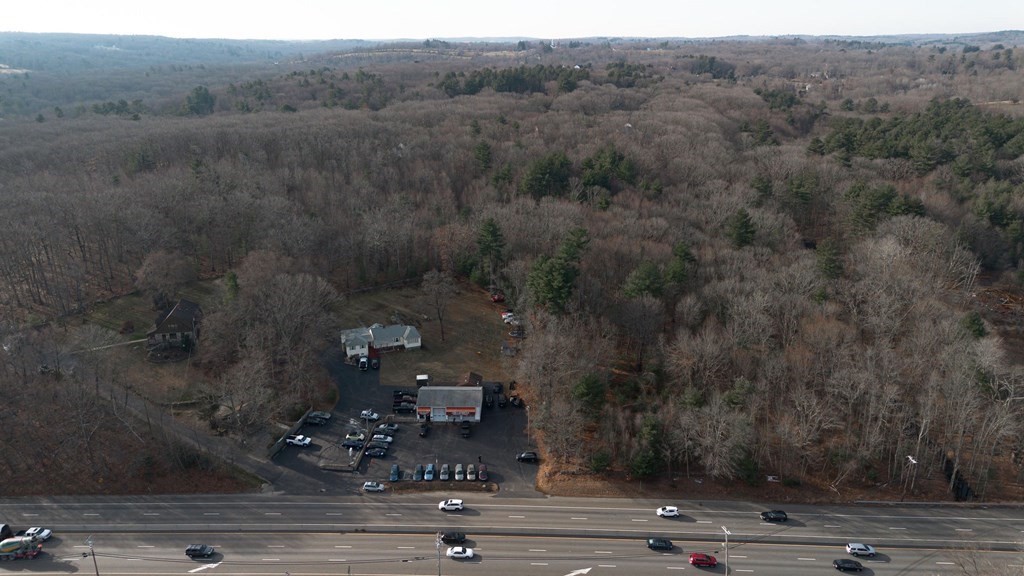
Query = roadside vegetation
x=797 y=258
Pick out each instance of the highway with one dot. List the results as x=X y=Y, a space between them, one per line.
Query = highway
x=392 y=534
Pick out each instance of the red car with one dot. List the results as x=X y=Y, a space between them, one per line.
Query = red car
x=699 y=559
x=497 y=297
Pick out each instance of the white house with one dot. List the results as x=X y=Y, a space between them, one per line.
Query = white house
x=358 y=341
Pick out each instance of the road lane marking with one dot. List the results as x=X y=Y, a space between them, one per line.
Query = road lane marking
x=965 y=530
x=338 y=546
x=517 y=516
x=735 y=556
x=337 y=559
x=676 y=567
x=29 y=514
x=832 y=526
x=144 y=546
x=406 y=547
x=90 y=514
x=601 y=552
x=271 y=513
x=891 y=528
x=537 y=550
x=577 y=518
x=703 y=521
x=807 y=559
x=211 y=513
x=271 y=559
x=946 y=563
x=393 y=514
x=150 y=513
x=81 y=546
x=606 y=565
x=742 y=570
x=538 y=563
x=639 y=519
x=335 y=514
x=275 y=545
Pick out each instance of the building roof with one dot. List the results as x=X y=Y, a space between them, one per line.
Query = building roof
x=181 y=318
x=450 y=396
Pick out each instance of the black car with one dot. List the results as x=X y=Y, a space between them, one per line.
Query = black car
x=527 y=457
x=844 y=564
x=378 y=444
x=375 y=363
x=404 y=408
x=417 y=474
x=502 y=401
x=497 y=388
x=424 y=430
x=453 y=537
x=199 y=551
x=465 y=429
x=315 y=421
x=376 y=452
x=488 y=401
x=352 y=444
x=774 y=516
x=659 y=544
x=400 y=393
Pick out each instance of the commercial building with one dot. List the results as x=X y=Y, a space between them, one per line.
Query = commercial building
x=450 y=403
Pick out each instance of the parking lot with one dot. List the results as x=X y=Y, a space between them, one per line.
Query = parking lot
x=494 y=441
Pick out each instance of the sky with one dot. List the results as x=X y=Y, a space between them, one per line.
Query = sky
x=543 y=19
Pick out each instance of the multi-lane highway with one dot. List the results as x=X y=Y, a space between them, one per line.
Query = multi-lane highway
x=390 y=534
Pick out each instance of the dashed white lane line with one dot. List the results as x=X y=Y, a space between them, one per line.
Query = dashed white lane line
x=538 y=563
x=742 y=570
x=606 y=565
x=517 y=516
x=29 y=514
x=892 y=528
x=271 y=513
x=965 y=530
x=946 y=563
x=271 y=559
x=808 y=559
x=275 y=545
x=145 y=546
x=832 y=526
x=335 y=514
x=735 y=556
x=150 y=513
x=578 y=518
x=393 y=514
x=639 y=519
x=602 y=552
x=211 y=513
x=406 y=547
x=337 y=559
x=340 y=546
x=676 y=567
x=537 y=550
x=703 y=521
x=90 y=514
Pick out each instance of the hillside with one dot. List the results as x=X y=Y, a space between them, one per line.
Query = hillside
x=792 y=257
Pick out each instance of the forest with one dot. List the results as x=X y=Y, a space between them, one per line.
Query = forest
x=797 y=257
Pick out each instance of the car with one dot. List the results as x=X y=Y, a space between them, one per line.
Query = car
x=199 y=551
x=375 y=444
x=515 y=400
x=459 y=553
x=389 y=428
x=355 y=436
x=700 y=559
x=488 y=401
x=502 y=401
x=417 y=475
x=774 y=516
x=527 y=457
x=376 y=453
x=471 y=472
x=402 y=393
x=659 y=544
x=844 y=564
x=498 y=297
x=364 y=363
x=298 y=440
x=429 y=473
x=460 y=473
x=396 y=473
x=464 y=430
x=382 y=438
x=497 y=388
x=315 y=421
x=453 y=537
x=445 y=472
x=506 y=313
x=858 y=549
x=424 y=430
x=375 y=363
x=668 y=512
x=320 y=414
x=369 y=415
x=450 y=505
x=404 y=408
x=481 y=473
x=39 y=533
x=517 y=333
x=354 y=444
x=510 y=319
x=373 y=487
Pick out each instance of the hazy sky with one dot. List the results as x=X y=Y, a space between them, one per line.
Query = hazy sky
x=418 y=19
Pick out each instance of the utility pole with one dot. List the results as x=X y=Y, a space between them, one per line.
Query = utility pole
x=437 y=544
x=93 y=554
x=726 y=530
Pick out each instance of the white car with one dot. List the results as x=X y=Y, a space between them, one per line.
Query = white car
x=459 y=552
x=857 y=549
x=668 y=512
x=373 y=487
x=369 y=415
x=382 y=438
x=38 y=533
x=298 y=440
x=450 y=505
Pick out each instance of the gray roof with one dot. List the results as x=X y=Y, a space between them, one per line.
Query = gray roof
x=393 y=333
x=450 y=396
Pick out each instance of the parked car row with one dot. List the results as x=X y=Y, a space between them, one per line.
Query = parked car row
x=446 y=473
x=403 y=402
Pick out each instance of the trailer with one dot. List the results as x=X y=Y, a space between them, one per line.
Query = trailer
x=20 y=547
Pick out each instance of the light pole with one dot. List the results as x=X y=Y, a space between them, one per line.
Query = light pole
x=726 y=530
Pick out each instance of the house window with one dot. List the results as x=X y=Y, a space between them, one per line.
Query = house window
x=163 y=337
